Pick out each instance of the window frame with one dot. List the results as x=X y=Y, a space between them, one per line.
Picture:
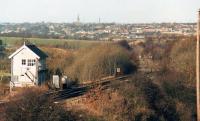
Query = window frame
x=23 y=62
x=31 y=62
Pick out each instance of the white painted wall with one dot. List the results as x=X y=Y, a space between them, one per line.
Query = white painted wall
x=19 y=69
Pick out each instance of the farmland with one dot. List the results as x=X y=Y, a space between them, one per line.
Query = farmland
x=73 y=44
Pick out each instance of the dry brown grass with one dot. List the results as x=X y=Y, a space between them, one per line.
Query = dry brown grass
x=112 y=104
x=4 y=91
x=30 y=104
x=57 y=57
x=95 y=103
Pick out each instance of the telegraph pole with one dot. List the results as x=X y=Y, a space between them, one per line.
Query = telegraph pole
x=198 y=68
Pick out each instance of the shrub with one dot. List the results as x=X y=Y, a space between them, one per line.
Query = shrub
x=31 y=105
x=183 y=59
x=99 y=61
x=124 y=44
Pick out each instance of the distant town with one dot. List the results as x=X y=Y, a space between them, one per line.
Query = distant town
x=94 y=31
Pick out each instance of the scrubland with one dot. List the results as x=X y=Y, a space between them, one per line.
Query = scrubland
x=164 y=95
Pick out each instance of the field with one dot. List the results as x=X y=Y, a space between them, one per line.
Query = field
x=71 y=44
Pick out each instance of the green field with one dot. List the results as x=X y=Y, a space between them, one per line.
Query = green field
x=52 y=42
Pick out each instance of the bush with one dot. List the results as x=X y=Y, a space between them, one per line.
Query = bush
x=124 y=44
x=58 y=59
x=140 y=99
x=31 y=105
x=99 y=61
x=183 y=59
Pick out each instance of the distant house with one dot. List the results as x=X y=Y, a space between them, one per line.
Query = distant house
x=28 y=66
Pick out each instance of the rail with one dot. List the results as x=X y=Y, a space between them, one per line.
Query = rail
x=82 y=89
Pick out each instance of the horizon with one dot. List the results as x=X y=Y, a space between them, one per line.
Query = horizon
x=96 y=22
x=112 y=11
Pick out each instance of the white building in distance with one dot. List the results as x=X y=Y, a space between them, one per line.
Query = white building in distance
x=28 y=66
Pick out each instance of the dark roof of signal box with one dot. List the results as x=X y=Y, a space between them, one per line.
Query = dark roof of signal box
x=37 y=51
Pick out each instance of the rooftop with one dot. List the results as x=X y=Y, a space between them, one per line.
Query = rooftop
x=37 y=51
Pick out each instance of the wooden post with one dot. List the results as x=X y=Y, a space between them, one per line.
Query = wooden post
x=197 y=68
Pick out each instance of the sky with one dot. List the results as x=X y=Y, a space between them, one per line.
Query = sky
x=119 y=11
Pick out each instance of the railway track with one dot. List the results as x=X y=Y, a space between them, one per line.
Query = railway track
x=70 y=93
x=80 y=90
x=83 y=88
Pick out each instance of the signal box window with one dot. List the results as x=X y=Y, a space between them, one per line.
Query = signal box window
x=23 y=62
x=31 y=62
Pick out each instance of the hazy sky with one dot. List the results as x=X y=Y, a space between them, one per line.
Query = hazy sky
x=121 y=11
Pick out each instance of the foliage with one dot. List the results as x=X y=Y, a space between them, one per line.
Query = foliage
x=167 y=95
x=124 y=44
x=1 y=42
x=138 y=99
x=2 y=49
x=31 y=105
x=58 y=59
x=99 y=61
x=183 y=59
x=177 y=79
